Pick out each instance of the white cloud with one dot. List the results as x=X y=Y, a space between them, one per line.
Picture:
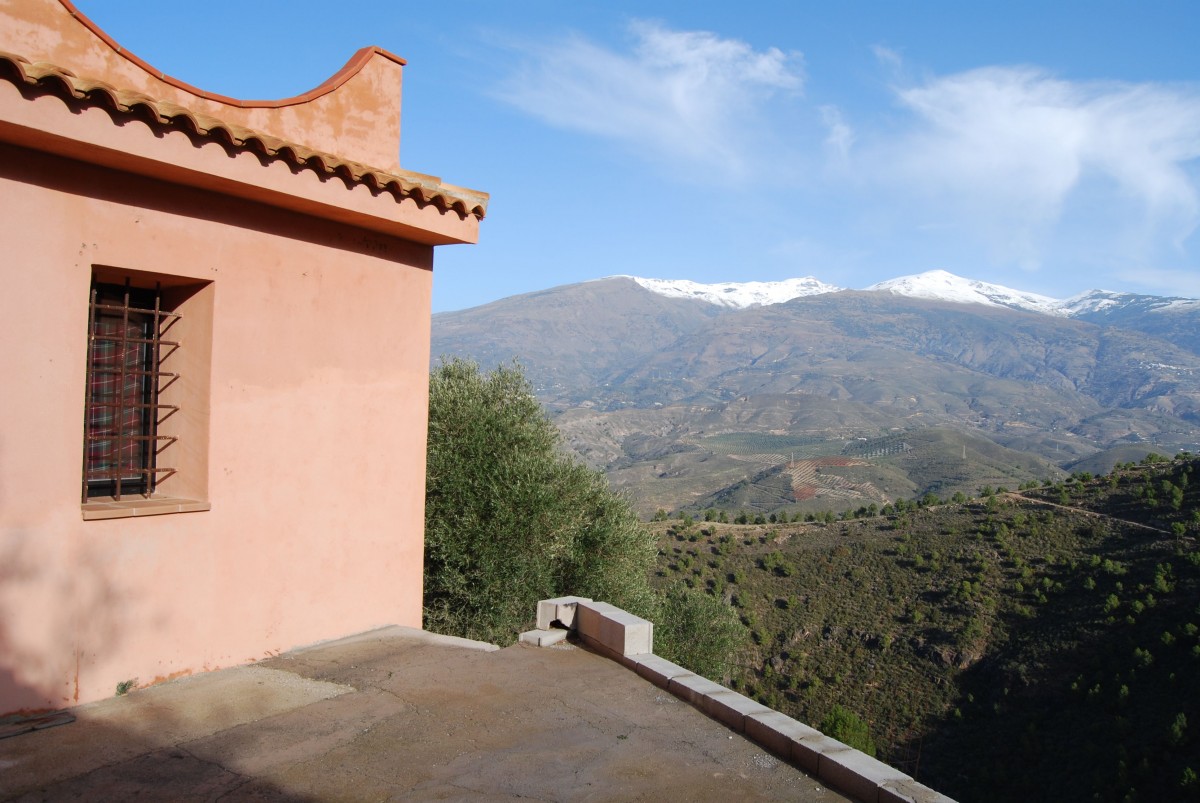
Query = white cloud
x=840 y=136
x=689 y=96
x=1016 y=147
x=890 y=60
x=1009 y=165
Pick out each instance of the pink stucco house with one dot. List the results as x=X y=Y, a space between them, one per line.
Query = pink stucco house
x=215 y=356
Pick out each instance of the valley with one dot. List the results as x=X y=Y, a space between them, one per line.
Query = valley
x=689 y=396
x=1052 y=629
x=938 y=507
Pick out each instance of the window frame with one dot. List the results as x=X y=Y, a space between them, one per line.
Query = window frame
x=123 y=410
x=167 y=380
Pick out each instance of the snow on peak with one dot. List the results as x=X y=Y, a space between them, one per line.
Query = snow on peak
x=941 y=285
x=1092 y=301
x=938 y=285
x=738 y=295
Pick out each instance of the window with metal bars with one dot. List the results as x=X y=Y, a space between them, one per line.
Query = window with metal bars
x=126 y=352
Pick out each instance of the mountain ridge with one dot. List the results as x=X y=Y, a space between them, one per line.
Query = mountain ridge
x=651 y=388
x=935 y=285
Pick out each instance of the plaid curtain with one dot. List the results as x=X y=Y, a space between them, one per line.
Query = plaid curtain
x=120 y=424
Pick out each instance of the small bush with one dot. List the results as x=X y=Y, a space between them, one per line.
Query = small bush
x=846 y=726
x=698 y=632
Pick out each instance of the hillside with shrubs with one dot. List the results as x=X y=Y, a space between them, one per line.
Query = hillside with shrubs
x=1038 y=643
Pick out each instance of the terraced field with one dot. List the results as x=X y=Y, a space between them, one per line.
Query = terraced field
x=808 y=482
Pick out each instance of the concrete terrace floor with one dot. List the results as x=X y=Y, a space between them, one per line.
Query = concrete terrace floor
x=399 y=714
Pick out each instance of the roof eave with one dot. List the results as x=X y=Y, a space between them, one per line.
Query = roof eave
x=48 y=109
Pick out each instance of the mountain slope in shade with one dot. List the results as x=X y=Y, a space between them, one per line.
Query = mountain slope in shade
x=678 y=397
x=1095 y=303
x=570 y=339
x=1175 y=320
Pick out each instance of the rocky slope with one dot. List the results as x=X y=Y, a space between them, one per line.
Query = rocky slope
x=667 y=385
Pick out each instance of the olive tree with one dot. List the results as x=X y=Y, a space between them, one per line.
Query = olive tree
x=511 y=519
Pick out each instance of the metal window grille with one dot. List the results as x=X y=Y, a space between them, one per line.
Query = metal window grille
x=126 y=351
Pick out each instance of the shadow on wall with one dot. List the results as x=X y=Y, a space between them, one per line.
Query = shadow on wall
x=99 y=755
x=53 y=590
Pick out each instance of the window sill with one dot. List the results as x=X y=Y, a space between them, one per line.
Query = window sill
x=111 y=509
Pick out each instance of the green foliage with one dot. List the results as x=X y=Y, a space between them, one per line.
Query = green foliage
x=1177 y=734
x=776 y=563
x=849 y=728
x=126 y=686
x=510 y=520
x=992 y=611
x=700 y=632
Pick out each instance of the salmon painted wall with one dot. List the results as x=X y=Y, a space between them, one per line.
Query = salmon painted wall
x=305 y=358
x=320 y=348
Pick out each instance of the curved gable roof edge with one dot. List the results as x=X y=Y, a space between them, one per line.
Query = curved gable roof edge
x=355 y=114
x=422 y=189
x=348 y=70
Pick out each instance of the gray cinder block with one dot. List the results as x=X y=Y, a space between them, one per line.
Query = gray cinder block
x=559 y=609
x=909 y=791
x=857 y=774
x=589 y=615
x=692 y=688
x=807 y=752
x=731 y=708
x=778 y=732
x=658 y=671
x=618 y=630
x=543 y=638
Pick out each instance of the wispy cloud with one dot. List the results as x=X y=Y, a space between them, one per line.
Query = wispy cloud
x=840 y=136
x=1015 y=146
x=1009 y=165
x=690 y=97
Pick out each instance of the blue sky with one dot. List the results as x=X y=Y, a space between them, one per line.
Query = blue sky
x=1052 y=148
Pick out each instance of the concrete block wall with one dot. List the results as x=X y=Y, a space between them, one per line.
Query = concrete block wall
x=629 y=640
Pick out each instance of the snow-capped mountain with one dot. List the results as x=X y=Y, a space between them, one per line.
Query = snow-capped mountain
x=633 y=369
x=941 y=285
x=1105 y=302
x=936 y=285
x=738 y=295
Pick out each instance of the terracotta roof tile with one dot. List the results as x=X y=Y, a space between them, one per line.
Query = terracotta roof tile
x=418 y=187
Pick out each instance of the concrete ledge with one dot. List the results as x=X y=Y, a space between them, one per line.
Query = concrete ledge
x=616 y=629
x=778 y=732
x=629 y=640
x=693 y=688
x=810 y=751
x=627 y=634
x=658 y=671
x=543 y=638
x=588 y=616
x=857 y=774
x=559 y=609
x=909 y=791
x=731 y=708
